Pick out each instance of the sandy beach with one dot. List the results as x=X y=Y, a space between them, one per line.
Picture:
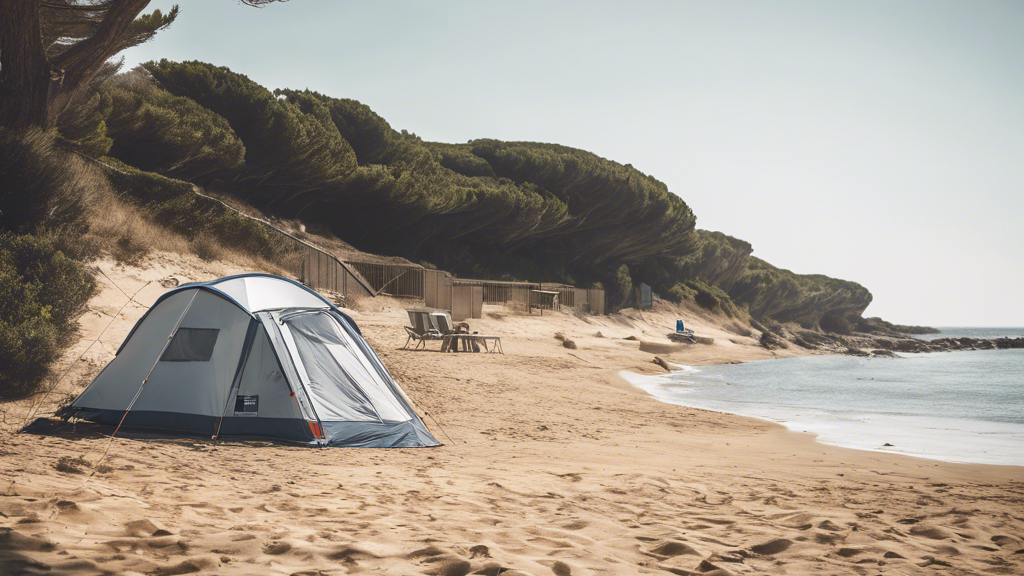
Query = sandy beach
x=552 y=464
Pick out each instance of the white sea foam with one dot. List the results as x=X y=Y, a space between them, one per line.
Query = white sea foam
x=957 y=407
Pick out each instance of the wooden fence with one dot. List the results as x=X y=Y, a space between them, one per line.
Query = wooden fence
x=392 y=279
x=321 y=270
x=440 y=290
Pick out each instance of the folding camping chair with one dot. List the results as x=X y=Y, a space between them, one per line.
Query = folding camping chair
x=423 y=330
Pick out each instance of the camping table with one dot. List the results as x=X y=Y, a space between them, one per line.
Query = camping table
x=451 y=343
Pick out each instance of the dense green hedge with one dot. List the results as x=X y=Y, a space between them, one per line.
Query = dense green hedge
x=333 y=159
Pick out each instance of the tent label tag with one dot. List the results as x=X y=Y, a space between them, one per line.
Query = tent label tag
x=247 y=405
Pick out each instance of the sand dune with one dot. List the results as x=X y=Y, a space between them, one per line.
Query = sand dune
x=552 y=465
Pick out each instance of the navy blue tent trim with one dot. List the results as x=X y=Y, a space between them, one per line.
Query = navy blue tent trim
x=291 y=429
x=409 y=434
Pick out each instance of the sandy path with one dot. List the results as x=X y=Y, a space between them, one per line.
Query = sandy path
x=556 y=467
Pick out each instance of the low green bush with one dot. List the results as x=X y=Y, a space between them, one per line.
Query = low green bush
x=42 y=291
x=707 y=296
x=681 y=292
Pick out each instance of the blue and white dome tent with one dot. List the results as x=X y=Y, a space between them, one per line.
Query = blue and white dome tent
x=253 y=355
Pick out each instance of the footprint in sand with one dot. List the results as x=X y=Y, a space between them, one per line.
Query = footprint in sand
x=187 y=567
x=350 y=555
x=823 y=538
x=932 y=561
x=1005 y=541
x=576 y=525
x=143 y=528
x=276 y=548
x=829 y=525
x=427 y=552
x=931 y=532
x=67 y=507
x=671 y=548
x=480 y=551
x=892 y=555
x=772 y=546
x=493 y=569
x=558 y=567
x=719 y=521
x=561 y=569
x=706 y=568
x=947 y=550
x=450 y=567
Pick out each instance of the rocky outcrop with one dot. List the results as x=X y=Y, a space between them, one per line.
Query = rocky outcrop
x=881 y=327
x=951 y=344
x=861 y=344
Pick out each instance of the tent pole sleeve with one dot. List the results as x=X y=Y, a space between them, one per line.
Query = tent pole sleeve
x=250 y=335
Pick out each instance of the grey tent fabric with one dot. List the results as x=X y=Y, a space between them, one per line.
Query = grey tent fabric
x=335 y=393
x=252 y=356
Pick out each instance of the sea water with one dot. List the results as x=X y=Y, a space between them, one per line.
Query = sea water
x=953 y=406
x=961 y=332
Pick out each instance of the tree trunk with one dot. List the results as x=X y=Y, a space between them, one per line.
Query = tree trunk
x=35 y=90
x=24 y=70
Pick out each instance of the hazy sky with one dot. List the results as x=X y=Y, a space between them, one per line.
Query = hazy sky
x=880 y=142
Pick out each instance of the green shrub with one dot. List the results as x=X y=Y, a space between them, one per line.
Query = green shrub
x=41 y=186
x=83 y=127
x=681 y=292
x=175 y=205
x=129 y=248
x=709 y=297
x=206 y=248
x=770 y=292
x=42 y=291
x=624 y=287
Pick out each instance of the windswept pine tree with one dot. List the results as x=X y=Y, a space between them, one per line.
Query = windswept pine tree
x=50 y=51
x=811 y=300
x=289 y=153
x=156 y=131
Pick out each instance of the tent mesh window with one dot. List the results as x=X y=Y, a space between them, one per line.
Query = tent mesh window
x=191 y=345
